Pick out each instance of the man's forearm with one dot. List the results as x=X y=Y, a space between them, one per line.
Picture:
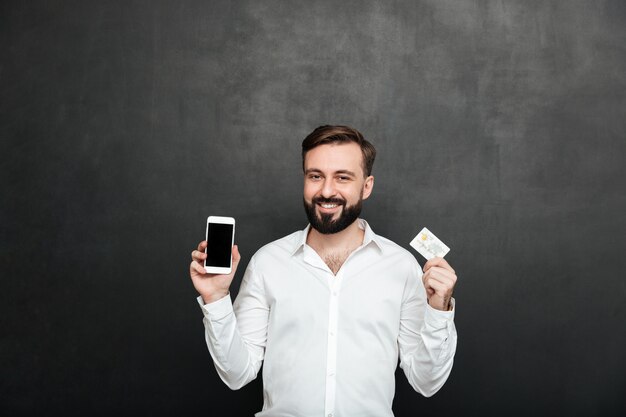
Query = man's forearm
x=427 y=349
x=234 y=362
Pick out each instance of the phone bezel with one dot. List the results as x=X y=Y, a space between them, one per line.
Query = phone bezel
x=220 y=220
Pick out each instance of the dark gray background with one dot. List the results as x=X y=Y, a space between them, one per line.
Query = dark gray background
x=499 y=125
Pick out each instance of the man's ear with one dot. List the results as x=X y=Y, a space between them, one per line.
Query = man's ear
x=368 y=186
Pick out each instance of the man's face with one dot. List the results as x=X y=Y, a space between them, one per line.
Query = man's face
x=334 y=186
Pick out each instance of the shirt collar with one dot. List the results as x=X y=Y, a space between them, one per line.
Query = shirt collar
x=368 y=238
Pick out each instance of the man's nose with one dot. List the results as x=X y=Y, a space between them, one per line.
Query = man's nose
x=328 y=188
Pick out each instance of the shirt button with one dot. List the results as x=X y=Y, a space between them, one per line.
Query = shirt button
x=330 y=415
x=334 y=295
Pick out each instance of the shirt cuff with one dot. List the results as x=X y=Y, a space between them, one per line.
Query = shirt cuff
x=437 y=318
x=216 y=310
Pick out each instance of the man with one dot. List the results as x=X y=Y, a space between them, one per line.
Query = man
x=330 y=308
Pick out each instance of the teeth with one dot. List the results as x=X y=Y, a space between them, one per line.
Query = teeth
x=329 y=206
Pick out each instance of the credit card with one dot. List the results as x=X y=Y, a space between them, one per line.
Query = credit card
x=428 y=245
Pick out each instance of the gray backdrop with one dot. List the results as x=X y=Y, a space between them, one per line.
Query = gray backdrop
x=500 y=126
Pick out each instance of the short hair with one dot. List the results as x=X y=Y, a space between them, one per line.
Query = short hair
x=340 y=134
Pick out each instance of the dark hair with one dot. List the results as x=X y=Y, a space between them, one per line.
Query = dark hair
x=340 y=134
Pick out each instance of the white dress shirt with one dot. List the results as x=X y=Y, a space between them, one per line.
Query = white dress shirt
x=330 y=342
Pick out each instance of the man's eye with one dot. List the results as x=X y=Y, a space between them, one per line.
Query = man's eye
x=344 y=178
x=314 y=177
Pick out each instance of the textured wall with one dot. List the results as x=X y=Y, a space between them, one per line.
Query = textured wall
x=501 y=126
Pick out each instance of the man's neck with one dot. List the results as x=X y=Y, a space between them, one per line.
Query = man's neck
x=349 y=238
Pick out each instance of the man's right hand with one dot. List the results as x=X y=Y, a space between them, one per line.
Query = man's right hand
x=211 y=287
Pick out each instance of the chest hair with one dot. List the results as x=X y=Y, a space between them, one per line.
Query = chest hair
x=334 y=260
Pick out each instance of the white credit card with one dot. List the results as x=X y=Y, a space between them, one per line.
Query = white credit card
x=428 y=245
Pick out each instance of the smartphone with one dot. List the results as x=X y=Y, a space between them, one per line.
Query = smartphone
x=220 y=237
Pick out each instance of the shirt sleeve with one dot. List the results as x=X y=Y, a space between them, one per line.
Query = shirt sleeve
x=427 y=339
x=236 y=335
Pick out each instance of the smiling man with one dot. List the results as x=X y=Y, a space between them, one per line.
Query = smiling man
x=329 y=309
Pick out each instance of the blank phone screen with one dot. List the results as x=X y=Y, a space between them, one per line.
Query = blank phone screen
x=219 y=241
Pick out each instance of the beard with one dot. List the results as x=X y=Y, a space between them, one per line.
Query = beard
x=324 y=223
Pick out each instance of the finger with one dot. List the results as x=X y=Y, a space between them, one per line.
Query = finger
x=442 y=277
x=438 y=271
x=198 y=256
x=236 y=254
x=437 y=261
x=437 y=287
x=435 y=281
x=236 y=258
x=431 y=262
x=196 y=267
x=202 y=246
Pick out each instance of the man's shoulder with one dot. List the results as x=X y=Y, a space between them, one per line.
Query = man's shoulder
x=391 y=249
x=390 y=245
x=279 y=248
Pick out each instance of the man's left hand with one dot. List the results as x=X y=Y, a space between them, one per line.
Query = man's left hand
x=439 y=279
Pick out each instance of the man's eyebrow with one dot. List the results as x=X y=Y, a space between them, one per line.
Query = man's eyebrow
x=341 y=171
x=345 y=171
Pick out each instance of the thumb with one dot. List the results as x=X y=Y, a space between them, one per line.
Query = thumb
x=236 y=256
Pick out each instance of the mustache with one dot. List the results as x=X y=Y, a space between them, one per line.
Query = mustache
x=335 y=200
